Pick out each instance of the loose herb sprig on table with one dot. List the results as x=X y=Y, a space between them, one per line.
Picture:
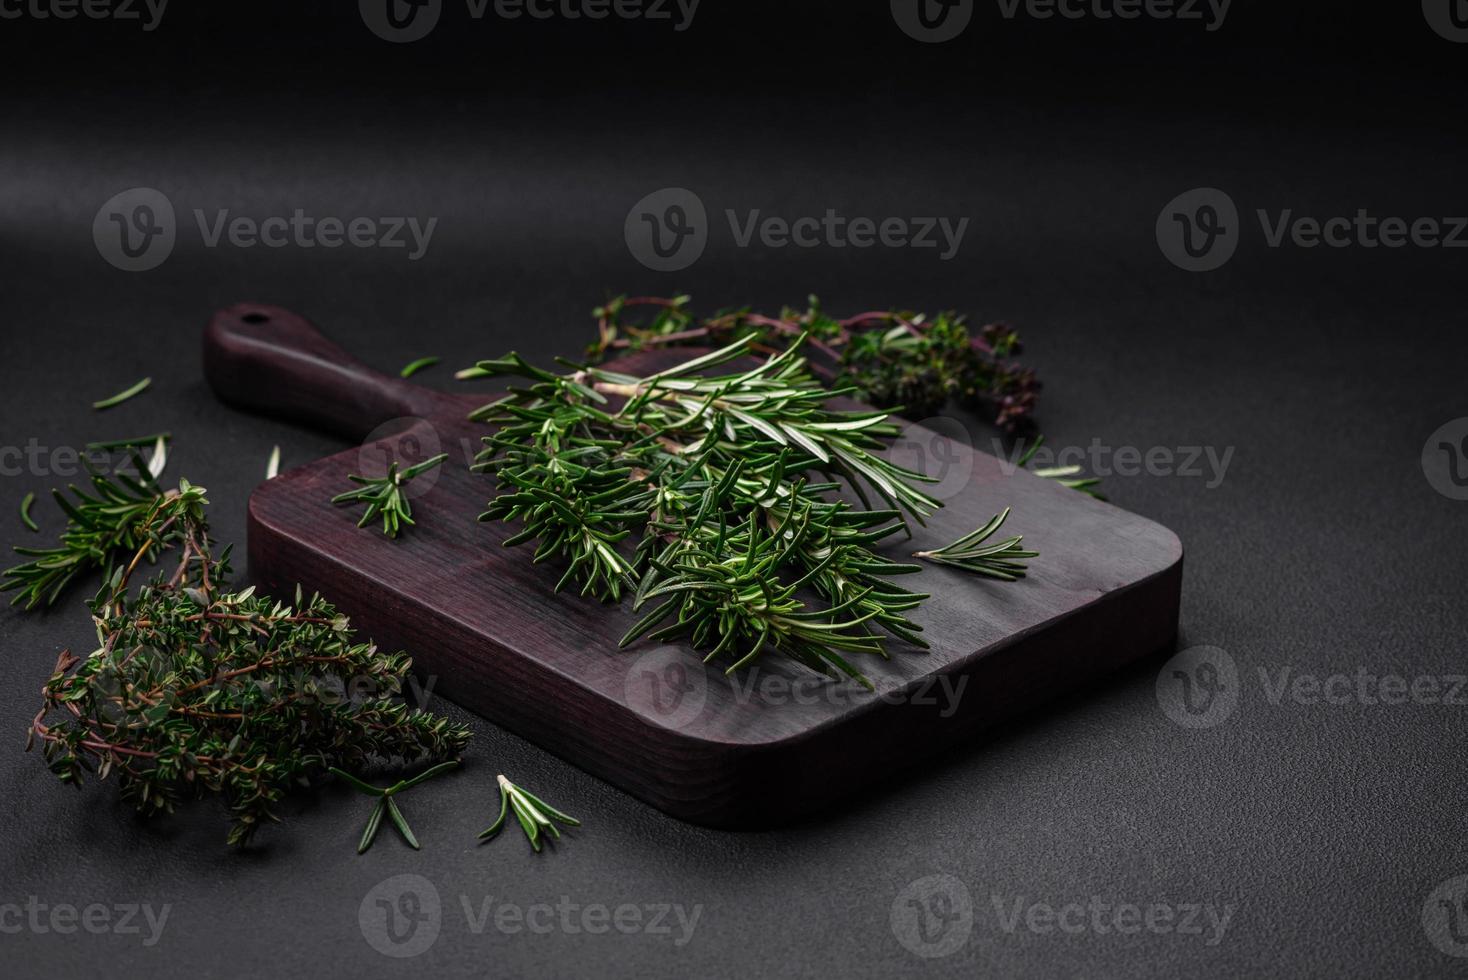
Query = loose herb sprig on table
x=893 y=358
x=533 y=814
x=121 y=514
x=194 y=689
x=386 y=803
x=384 y=495
x=723 y=479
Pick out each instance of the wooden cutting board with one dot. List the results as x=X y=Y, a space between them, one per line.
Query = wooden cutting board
x=752 y=750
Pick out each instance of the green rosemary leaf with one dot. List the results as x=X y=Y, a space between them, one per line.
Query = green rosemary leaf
x=124 y=395
x=400 y=822
x=138 y=442
x=25 y=512
x=272 y=465
x=414 y=367
x=369 y=834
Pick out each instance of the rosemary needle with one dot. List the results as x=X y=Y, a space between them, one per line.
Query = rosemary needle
x=272 y=467
x=25 y=512
x=131 y=443
x=415 y=366
x=123 y=396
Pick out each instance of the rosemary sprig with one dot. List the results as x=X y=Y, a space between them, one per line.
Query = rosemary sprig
x=723 y=477
x=124 y=515
x=534 y=814
x=194 y=689
x=413 y=367
x=25 y=512
x=1002 y=559
x=384 y=495
x=123 y=395
x=386 y=803
x=894 y=358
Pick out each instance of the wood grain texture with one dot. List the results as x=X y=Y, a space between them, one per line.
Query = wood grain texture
x=746 y=751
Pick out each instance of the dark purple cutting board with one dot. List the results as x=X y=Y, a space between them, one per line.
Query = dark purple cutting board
x=730 y=752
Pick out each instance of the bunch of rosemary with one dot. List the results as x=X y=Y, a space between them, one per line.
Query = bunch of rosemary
x=196 y=689
x=892 y=358
x=725 y=482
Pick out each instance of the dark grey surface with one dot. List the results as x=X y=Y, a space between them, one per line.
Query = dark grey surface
x=1324 y=549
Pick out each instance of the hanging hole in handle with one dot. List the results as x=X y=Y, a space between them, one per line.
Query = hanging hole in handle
x=255 y=317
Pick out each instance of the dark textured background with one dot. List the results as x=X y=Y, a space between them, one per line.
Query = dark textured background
x=1324 y=549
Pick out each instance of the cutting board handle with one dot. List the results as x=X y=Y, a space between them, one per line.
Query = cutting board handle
x=270 y=360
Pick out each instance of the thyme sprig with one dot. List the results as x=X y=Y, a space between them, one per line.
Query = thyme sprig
x=386 y=804
x=534 y=814
x=195 y=689
x=892 y=357
x=724 y=478
x=384 y=495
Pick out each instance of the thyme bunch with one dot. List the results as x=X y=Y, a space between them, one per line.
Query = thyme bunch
x=893 y=358
x=196 y=689
x=725 y=482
